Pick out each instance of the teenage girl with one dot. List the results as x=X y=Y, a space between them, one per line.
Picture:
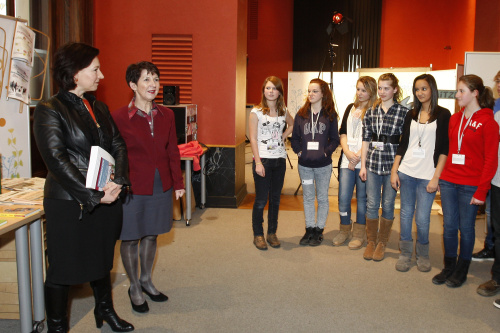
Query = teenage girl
x=267 y=137
x=351 y=140
x=465 y=180
x=382 y=128
x=417 y=166
x=315 y=137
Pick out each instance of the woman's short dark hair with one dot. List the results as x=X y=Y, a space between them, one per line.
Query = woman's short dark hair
x=134 y=71
x=69 y=59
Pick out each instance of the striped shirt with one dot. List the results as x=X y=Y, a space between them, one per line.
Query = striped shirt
x=390 y=123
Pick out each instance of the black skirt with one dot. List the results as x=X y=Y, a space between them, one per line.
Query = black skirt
x=80 y=250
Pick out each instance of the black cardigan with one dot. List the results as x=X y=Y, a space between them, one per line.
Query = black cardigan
x=442 y=116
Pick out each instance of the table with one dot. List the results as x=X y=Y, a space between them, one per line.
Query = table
x=188 y=162
x=26 y=279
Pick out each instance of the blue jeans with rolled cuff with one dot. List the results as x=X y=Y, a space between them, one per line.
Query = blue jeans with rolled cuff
x=348 y=179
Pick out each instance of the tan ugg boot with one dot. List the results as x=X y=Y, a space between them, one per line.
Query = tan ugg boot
x=358 y=236
x=371 y=237
x=343 y=235
x=383 y=238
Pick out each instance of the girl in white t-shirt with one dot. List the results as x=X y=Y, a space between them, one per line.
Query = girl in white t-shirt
x=267 y=139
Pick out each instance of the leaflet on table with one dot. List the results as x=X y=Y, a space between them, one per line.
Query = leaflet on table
x=16 y=211
x=101 y=168
x=19 y=81
x=2 y=222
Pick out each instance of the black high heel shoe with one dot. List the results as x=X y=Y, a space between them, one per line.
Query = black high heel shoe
x=155 y=298
x=143 y=308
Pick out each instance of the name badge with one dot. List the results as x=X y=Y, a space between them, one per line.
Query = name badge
x=419 y=153
x=458 y=159
x=377 y=145
x=312 y=145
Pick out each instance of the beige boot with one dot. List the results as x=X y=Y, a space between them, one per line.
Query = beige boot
x=343 y=235
x=371 y=237
x=358 y=236
x=383 y=238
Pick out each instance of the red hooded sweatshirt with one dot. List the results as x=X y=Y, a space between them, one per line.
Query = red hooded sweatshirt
x=480 y=147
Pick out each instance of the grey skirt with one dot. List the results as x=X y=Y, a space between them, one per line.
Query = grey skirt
x=145 y=215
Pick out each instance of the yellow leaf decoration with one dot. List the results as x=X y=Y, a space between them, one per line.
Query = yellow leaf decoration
x=14 y=140
x=9 y=141
x=14 y=153
x=20 y=152
x=11 y=130
x=21 y=162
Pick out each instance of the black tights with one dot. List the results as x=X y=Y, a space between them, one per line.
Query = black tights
x=131 y=251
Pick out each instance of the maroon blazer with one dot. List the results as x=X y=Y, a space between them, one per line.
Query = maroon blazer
x=147 y=153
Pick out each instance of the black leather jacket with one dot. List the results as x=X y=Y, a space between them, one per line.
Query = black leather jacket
x=65 y=132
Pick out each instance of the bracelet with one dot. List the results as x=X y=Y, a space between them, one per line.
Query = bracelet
x=258 y=163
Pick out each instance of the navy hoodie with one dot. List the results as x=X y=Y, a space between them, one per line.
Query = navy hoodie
x=326 y=133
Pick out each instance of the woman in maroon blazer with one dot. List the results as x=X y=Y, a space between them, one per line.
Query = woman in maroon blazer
x=149 y=132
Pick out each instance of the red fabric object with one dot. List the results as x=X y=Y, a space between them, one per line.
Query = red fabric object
x=147 y=153
x=194 y=150
x=480 y=147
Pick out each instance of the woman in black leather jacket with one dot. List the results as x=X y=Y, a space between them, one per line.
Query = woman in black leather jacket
x=82 y=224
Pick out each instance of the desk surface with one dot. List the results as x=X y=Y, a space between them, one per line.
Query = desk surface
x=15 y=222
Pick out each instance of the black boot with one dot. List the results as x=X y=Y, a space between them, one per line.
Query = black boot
x=56 y=305
x=317 y=238
x=104 y=307
x=307 y=236
x=459 y=276
x=449 y=267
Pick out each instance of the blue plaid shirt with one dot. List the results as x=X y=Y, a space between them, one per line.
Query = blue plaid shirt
x=390 y=123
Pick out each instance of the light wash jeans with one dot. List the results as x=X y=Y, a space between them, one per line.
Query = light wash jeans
x=315 y=183
x=415 y=200
x=458 y=214
x=347 y=180
x=374 y=183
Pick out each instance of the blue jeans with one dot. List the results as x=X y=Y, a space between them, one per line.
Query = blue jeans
x=458 y=214
x=415 y=200
x=347 y=180
x=315 y=183
x=374 y=183
x=268 y=186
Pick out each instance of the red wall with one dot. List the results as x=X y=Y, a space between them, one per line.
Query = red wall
x=415 y=33
x=123 y=30
x=272 y=52
x=487 y=34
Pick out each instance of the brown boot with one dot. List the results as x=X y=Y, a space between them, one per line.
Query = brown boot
x=273 y=240
x=358 y=236
x=343 y=235
x=371 y=237
x=383 y=238
x=260 y=242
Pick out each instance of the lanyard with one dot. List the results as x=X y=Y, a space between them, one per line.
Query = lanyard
x=379 y=130
x=461 y=136
x=418 y=130
x=89 y=109
x=313 y=124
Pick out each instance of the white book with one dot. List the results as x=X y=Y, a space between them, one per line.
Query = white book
x=101 y=168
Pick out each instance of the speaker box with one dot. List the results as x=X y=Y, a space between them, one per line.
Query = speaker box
x=170 y=95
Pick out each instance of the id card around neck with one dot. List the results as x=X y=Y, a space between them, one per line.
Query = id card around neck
x=313 y=145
